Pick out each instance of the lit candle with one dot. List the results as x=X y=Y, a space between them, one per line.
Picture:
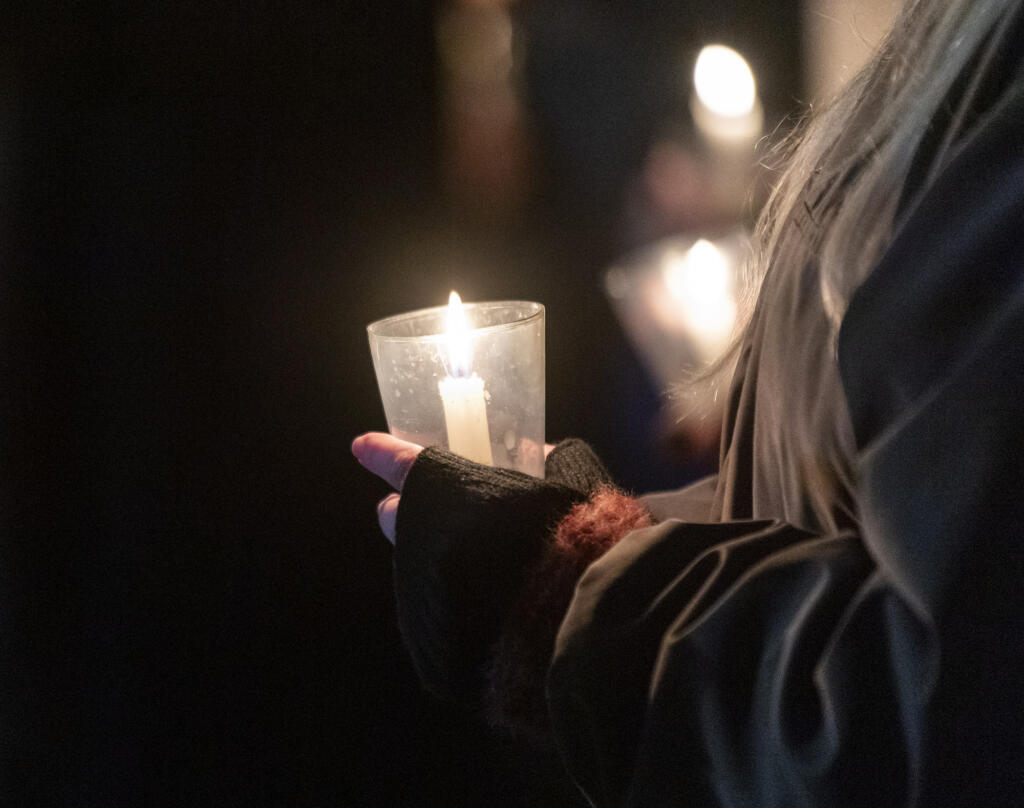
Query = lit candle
x=462 y=392
x=678 y=301
x=700 y=294
x=725 y=106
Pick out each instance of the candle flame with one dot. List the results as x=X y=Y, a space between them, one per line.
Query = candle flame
x=460 y=347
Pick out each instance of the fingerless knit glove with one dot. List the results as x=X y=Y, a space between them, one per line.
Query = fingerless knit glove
x=466 y=537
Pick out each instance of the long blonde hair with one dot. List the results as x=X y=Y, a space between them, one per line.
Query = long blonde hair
x=849 y=167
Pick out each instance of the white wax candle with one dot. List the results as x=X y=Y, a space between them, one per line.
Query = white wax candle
x=462 y=394
x=465 y=417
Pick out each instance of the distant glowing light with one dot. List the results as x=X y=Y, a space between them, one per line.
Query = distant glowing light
x=700 y=282
x=724 y=82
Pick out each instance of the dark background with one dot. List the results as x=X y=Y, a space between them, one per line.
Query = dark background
x=202 y=207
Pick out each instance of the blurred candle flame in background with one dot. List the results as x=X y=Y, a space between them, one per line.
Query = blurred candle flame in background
x=726 y=107
x=724 y=81
x=700 y=282
x=677 y=301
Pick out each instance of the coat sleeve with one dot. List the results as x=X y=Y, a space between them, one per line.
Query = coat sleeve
x=752 y=664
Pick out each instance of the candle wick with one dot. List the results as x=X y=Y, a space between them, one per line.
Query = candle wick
x=452 y=368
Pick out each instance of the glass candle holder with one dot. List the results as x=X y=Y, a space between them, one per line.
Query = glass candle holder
x=477 y=390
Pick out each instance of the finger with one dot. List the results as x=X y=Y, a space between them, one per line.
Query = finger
x=386 y=456
x=387 y=511
x=547 y=449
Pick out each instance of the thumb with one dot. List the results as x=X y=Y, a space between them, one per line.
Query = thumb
x=387 y=511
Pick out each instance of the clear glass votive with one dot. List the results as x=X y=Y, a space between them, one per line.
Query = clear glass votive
x=480 y=394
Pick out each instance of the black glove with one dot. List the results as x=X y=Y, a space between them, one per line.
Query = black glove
x=466 y=536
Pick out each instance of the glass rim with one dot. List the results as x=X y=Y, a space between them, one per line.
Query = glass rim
x=376 y=329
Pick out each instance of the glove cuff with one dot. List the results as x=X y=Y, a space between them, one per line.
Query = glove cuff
x=573 y=463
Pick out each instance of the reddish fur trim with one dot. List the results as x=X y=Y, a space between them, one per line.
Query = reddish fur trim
x=515 y=695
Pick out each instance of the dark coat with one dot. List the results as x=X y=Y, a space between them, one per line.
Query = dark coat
x=727 y=657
